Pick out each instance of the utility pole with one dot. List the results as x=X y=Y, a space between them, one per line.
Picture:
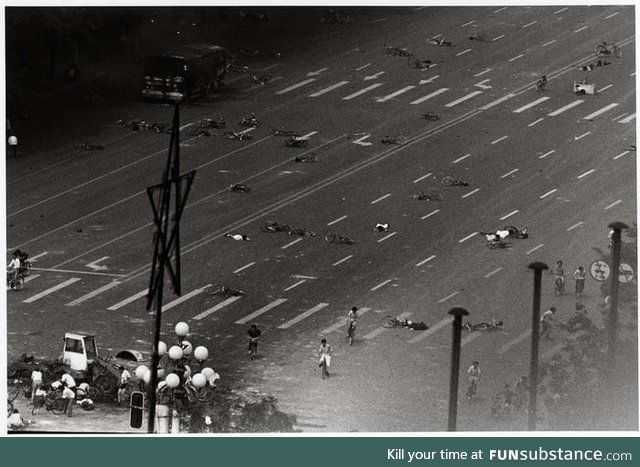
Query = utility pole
x=535 y=337
x=612 y=322
x=458 y=313
x=166 y=217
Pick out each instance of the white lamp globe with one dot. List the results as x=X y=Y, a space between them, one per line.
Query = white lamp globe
x=162 y=348
x=187 y=371
x=208 y=372
x=175 y=352
x=187 y=348
x=173 y=380
x=140 y=371
x=147 y=377
x=199 y=380
x=182 y=329
x=161 y=373
x=201 y=353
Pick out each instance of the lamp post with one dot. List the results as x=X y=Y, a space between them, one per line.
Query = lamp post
x=176 y=368
x=535 y=336
x=612 y=322
x=458 y=313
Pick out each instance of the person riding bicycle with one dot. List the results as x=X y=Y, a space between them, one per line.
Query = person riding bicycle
x=253 y=333
x=542 y=82
x=352 y=318
x=507 y=395
x=15 y=265
x=325 y=354
x=473 y=373
x=558 y=273
x=238 y=237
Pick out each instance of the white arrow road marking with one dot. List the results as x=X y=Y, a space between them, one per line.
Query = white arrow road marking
x=429 y=96
x=394 y=94
x=296 y=86
x=329 y=89
x=361 y=141
x=628 y=119
x=51 y=290
x=367 y=78
x=317 y=72
x=261 y=311
x=94 y=265
x=482 y=84
x=361 y=91
x=304 y=315
x=426 y=81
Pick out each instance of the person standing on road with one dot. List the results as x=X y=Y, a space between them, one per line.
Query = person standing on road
x=580 y=277
x=13 y=145
x=325 y=353
x=473 y=373
x=36 y=382
x=253 y=333
x=125 y=376
x=545 y=321
x=14 y=266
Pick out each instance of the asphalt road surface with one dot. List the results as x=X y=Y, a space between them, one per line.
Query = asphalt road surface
x=551 y=160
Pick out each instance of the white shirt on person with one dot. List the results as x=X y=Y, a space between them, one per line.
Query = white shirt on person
x=68 y=380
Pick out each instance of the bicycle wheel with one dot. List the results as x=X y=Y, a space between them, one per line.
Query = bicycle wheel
x=601 y=50
x=389 y=322
x=331 y=236
x=26 y=268
x=617 y=52
x=268 y=228
x=59 y=406
x=325 y=373
x=446 y=180
x=18 y=283
x=13 y=392
x=413 y=62
x=9 y=408
x=205 y=395
x=400 y=139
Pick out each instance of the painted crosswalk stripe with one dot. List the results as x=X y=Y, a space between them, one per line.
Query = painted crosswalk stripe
x=483 y=72
x=535 y=248
x=512 y=213
x=343 y=321
x=463 y=98
x=530 y=104
x=329 y=89
x=244 y=267
x=498 y=101
x=295 y=285
x=628 y=119
x=430 y=214
x=513 y=59
x=535 y=122
x=381 y=284
x=31 y=277
x=499 y=139
x=181 y=299
x=603 y=89
x=548 y=43
x=422 y=178
x=92 y=294
x=381 y=198
x=296 y=86
x=335 y=221
x=581 y=29
x=612 y=15
x=548 y=193
x=470 y=193
x=291 y=243
x=575 y=226
x=547 y=154
x=38 y=256
x=467 y=24
x=51 y=290
x=462 y=240
x=515 y=341
x=529 y=24
x=219 y=306
x=461 y=158
x=601 y=111
x=463 y=52
x=576 y=138
x=261 y=311
x=429 y=96
x=346 y=258
x=126 y=301
x=560 y=10
x=509 y=173
x=565 y=108
x=500 y=9
x=394 y=94
x=586 y=173
x=362 y=91
x=620 y=155
x=442 y=300
x=495 y=271
x=402 y=316
x=615 y=203
x=425 y=260
x=304 y=315
x=432 y=330
x=497 y=38
x=386 y=237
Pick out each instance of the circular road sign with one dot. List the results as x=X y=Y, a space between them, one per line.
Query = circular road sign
x=600 y=270
x=626 y=273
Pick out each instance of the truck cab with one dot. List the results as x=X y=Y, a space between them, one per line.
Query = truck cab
x=79 y=351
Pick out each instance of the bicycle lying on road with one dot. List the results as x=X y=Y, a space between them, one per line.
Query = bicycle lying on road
x=607 y=48
x=393 y=322
x=418 y=64
x=452 y=181
x=214 y=123
x=238 y=136
x=282 y=131
x=399 y=140
x=90 y=146
x=390 y=50
x=239 y=187
x=430 y=116
x=332 y=236
x=272 y=227
x=306 y=158
x=223 y=291
x=490 y=326
x=440 y=42
x=427 y=197
x=261 y=80
x=295 y=142
x=250 y=121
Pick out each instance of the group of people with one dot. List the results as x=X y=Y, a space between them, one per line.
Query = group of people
x=579 y=276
